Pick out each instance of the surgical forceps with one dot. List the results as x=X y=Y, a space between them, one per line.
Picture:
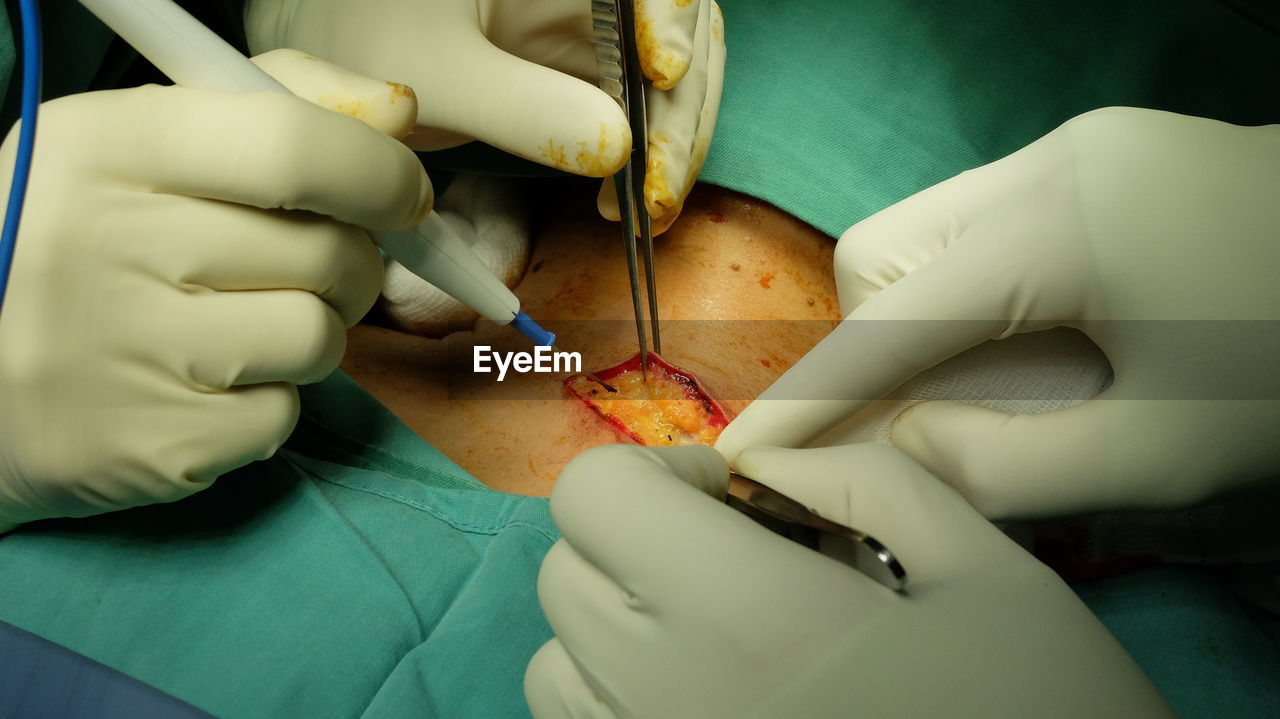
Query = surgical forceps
x=613 y=22
x=785 y=516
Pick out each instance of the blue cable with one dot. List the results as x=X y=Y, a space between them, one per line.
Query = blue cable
x=26 y=137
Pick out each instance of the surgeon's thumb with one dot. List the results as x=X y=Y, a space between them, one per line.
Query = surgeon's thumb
x=1079 y=459
x=389 y=107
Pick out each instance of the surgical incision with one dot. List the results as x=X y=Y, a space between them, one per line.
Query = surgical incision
x=670 y=407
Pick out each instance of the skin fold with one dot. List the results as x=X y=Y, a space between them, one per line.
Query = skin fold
x=744 y=290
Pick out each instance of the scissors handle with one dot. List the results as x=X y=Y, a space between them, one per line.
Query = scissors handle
x=785 y=516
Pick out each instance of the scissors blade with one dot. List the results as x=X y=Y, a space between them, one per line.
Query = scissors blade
x=785 y=516
x=620 y=77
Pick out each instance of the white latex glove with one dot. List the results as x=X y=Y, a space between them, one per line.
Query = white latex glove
x=667 y=603
x=1153 y=233
x=522 y=77
x=185 y=259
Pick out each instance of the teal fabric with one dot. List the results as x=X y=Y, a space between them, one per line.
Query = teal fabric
x=8 y=55
x=835 y=110
x=357 y=573
x=1207 y=652
x=73 y=44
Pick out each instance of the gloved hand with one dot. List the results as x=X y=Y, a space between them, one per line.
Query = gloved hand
x=521 y=76
x=667 y=603
x=185 y=259
x=1153 y=233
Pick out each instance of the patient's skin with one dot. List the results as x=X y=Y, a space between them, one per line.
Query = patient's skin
x=728 y=257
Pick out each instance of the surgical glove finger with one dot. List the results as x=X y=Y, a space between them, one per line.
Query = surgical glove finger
x=292 y=337
x=468 y=87
x=666 y=39
x=554 y=687
x=285 y=157
x=1089 y=457
x=388 y=107
x=146 y=457
x=241 y=249
x=877 y=489
x=681 y=122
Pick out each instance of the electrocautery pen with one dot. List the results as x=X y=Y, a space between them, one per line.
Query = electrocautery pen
x=193 y=56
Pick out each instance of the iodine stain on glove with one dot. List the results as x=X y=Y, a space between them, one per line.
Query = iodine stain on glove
x=664 y=34
x=389 y=107
x=369 y=110
x=606 y=158
x=681 y=115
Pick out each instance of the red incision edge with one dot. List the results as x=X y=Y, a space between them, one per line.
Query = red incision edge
x=660 y=370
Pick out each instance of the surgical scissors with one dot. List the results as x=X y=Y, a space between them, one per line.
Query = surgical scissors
x=785 y=516
x=621 y=77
